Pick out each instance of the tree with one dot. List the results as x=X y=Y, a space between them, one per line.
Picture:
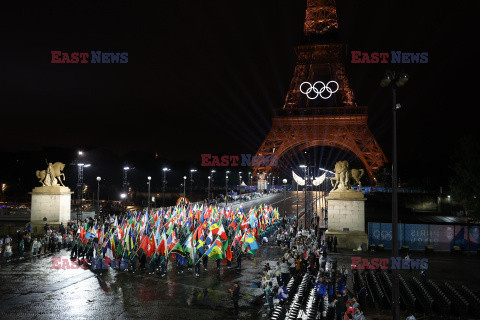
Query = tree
x=465 y=184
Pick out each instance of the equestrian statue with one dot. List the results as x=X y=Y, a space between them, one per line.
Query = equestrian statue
x=343 y=176
x=53 y=174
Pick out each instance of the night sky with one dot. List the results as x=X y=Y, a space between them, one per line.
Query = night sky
x=204 y=76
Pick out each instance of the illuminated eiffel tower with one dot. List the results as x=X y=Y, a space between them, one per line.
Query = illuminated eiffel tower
x=335 y=122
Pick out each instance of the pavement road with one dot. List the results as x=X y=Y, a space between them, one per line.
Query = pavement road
x=33 y=289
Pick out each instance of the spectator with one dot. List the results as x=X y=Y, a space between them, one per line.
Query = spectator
x=349 y=312
x=21 y=247
x=340 y=307
x=282 y=294
x=355 y=303
x=269 y=296
x=8 y=252
x=362 y=297
x=344 y=273
x=423 y=272
x=35 y=247
x=278 y=273
x=279 y=238
x=284 y=270
x=358 y=315
x=235 y=292
x=292 y=265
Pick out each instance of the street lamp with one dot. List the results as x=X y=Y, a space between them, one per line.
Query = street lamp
x=226 y=188
x=240 y=184
x=212 y=174
x=125 y=180
x=98 y=194
x=208 y=191
x=148 y=202
x=164 y=184
x=80 y=184
x=191 y=182
x=394 y=81
x=269 y=176
x=325 y=219
x=184 y=183
x=304 y=167
x=284 y=197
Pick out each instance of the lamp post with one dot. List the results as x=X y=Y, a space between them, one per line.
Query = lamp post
x=269 y=176
x=394 y=81
x=324 y=194
x=80 y=184
x=208 y=191
x=226 y=188
x=164 y=184
x=98 y=195
x=284 y=197
x=184 y=183
x=212 y=172
x=191 y=182
x=304 y=167
x=297 y=202
x=250 y=181
x=240 y=184
x=148 y=202
x=125 y=180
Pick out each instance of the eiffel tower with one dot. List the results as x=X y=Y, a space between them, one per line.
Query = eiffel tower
x=335 y=120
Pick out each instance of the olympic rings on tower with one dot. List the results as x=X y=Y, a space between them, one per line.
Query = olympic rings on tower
x=319 y=92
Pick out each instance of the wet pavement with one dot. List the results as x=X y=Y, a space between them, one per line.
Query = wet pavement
x=32 y=289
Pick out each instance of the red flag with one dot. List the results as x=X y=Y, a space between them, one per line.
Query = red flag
x=229 y=253
x=197 y=233
x=150 y=247
x=144 y=243
x=222 y=233
x=82 y=233
x=161 y=246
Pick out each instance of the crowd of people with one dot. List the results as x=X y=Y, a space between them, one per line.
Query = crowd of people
x=185 y=236
x=50 y=241
x=304 y=251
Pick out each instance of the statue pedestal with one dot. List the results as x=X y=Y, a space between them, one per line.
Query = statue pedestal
x=346 y=209
x=51 y=202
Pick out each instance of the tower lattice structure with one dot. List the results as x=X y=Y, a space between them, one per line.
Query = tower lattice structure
x=335 y=122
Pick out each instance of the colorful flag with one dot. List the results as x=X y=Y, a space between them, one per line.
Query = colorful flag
x=221 y=233
x=215 y=251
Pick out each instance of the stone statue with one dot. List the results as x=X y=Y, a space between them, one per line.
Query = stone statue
x=53 y=174
x=343 y=175
x=357 y=174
